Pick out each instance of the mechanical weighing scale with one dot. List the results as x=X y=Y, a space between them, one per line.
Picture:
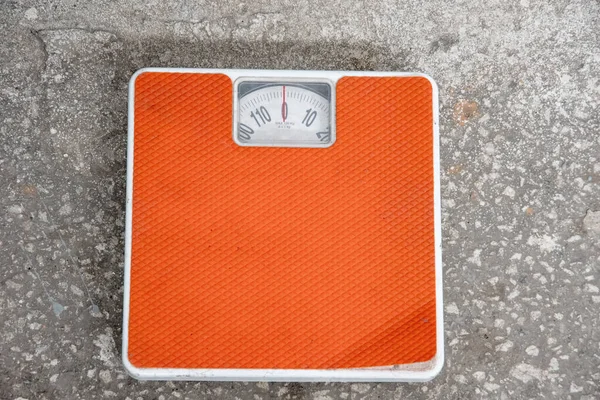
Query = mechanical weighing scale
x=282 y=226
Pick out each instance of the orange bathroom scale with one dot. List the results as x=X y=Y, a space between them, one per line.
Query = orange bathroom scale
x=282 y=226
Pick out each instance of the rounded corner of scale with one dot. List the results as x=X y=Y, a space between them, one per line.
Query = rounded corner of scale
x=437 y=367
x=132 y=370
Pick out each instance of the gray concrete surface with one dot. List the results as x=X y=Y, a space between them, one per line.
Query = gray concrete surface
x=520 y=140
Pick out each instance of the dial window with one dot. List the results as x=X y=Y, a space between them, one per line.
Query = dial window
x=284 y=113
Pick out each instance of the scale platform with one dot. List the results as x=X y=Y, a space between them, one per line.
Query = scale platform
x=282 y=226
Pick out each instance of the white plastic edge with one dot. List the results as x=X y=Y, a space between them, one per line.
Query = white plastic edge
x=419 y=372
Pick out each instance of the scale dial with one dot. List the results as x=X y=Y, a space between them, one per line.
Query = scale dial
x=291 y=113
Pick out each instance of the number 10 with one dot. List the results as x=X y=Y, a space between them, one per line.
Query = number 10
x=309 y=118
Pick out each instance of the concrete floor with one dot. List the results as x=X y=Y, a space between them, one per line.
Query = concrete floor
x=520 y=140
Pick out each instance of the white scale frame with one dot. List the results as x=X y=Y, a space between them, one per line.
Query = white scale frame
x=417 y=372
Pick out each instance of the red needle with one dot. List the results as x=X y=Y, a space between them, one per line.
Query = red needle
x=283 y=106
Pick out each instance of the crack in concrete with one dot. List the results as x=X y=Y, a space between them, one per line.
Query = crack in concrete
x=184 y=21
x=37 y=32
x=42 y=89
x=42 y=45
x=223 y=18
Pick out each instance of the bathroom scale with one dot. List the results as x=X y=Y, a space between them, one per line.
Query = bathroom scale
x=282 y=226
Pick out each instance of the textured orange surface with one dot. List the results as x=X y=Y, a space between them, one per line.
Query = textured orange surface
x=249 y=257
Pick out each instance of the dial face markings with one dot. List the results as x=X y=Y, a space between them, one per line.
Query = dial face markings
x=284 y=114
